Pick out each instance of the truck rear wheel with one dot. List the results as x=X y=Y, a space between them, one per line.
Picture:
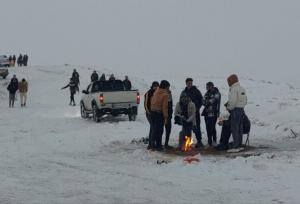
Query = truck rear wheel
x=83 y=111
x=95 y=114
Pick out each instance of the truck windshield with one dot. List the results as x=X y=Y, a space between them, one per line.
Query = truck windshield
x=104 y=86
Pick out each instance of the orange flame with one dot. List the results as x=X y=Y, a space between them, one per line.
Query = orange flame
x=188 y=143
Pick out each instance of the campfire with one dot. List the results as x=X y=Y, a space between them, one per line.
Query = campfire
x=187 y=146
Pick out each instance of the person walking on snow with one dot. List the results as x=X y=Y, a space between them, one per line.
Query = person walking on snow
x=72 y=86
x=211 y=112
x=197 y=98
x=147 y=105
x=102 y=78
x=159 y=114
x=23 y=89
x=14 y=60
x=12 y=88
x=20 y=60
x=237 y=100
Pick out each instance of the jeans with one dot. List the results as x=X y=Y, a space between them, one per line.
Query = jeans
x=237 y=116
x=168 y=128
x=157 y=120
x=12 y=99
x=210 y=123
x=197 y=130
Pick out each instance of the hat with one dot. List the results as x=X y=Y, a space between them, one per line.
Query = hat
x=164 y=84
x=188 y=79
x=154 y=84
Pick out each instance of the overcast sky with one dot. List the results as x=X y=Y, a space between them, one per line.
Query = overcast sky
x=247 y=37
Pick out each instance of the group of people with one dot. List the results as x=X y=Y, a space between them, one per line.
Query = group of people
x=75 y=82
x=158 y=105
x=21 y=61
x=126 y=81
x=13 y=87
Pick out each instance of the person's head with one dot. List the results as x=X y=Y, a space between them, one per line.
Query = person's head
x=154 y=85
x=185 y=98
x=232 y=79
x=126 y=77
x=209 y=86
x=95 y=71
x=14 y=76
x=23 y=80
x=74 y=70
x=164 y=84
x=189 y=82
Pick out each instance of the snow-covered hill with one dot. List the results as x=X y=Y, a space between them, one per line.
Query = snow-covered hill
x=48 y=154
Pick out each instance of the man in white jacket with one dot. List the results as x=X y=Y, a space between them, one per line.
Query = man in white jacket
x=237 y=100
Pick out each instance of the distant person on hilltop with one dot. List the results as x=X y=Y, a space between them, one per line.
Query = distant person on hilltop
x=23 y=88
x=20 y=60
x=112 y=77
x=25 y=60
x=72 y=86
x=10 y=61
x=14 y=60
x=12 y=88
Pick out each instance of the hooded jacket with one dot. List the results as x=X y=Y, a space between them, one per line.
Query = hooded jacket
x=23 y=87
x=159 y=102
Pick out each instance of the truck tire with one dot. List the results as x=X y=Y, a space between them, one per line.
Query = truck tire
x=95 y=113
x=131 y=117
x=83 y=112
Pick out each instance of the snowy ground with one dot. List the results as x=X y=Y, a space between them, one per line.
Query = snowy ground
x=48 y=154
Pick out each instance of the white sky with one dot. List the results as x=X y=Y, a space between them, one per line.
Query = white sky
x=259 y=37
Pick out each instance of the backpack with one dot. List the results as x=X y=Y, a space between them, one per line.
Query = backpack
x=246 y=125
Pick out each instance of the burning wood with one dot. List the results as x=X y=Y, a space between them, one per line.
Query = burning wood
x=187 y=146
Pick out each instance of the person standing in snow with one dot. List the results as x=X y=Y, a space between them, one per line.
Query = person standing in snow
x=211 y=112
x=23 y=89
x=94 y=76
x=185 y=115
x=127 y=83
x=197 y=98
x=147 y=105
x=25 y=60
x=75 y=77
x=12 y=88
x=10 y=61
x=20 y=60
x=159 y=113
x=14 y=60
x=72 y=86
x=112 y=77
x=168 y=125
x=237 y=100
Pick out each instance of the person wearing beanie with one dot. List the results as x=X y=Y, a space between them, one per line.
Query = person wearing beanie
x=197 y=98
x=147 y=105
x=211 y=112
x=237 y=100
x=159 y=114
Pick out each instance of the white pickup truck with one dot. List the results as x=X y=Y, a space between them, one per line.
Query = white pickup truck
x=109 y=97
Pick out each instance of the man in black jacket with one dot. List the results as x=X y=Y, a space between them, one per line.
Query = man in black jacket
x=168 y=125
x=75 y=77
x=211 y=112
x=127 y=83
x=197 y=99
x=12 y=88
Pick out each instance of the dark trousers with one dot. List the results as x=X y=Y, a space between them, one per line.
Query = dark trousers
x=210 y=123
x=197 y=130
x=157 y=120
x=12 y=97
x=237 y=116
x=151 y=141
x=72 y=99
x=225 y=134
x=168 y=128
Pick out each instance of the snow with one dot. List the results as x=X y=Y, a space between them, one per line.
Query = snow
x=48 y=154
